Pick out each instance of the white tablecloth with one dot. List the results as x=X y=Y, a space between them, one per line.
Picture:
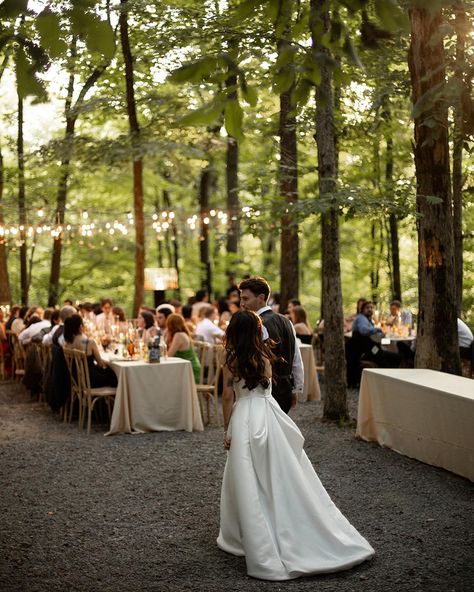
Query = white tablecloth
x=311 y=391
x=423 y=414
x=154 y=397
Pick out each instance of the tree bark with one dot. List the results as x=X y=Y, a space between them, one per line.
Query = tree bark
x=335 y=402
x=137 y=161
x=393 y=224
x=22 y=207
x=288 y=177
x=232 y=179
x=204 y=250
x=437 y=344
x=458 y=141
x=5 y=292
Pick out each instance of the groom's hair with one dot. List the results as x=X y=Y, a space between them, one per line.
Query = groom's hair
x=257 y=285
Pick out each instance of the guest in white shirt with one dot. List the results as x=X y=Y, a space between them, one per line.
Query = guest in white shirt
x=465 y=338
x=19 y=323
x=206 y=329
x=36 y=325
x=64 y=313
x=105 y=319
x=202 y=300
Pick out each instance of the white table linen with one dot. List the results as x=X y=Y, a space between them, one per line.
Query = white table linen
x=155 y=397
x=311 y=390
x=420 y=413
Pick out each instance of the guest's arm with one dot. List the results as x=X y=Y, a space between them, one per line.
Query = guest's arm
x=95 y=352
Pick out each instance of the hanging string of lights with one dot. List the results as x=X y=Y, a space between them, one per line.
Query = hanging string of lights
x=84 y=225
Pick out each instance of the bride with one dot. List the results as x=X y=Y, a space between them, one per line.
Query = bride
x=274 y=509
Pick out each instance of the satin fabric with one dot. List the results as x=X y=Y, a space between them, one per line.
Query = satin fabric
x=274 y=509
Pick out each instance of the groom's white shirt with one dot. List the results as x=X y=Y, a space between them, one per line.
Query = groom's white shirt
x=297 y=368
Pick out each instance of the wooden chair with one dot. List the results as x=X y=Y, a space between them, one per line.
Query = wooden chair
x=18 y=356
x=2 y=363
x=75 y=387
x=89 y=396
x=208 y=389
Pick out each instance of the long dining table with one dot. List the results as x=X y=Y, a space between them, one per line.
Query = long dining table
x=423 y=414
x=311 y=390
x=155 y=397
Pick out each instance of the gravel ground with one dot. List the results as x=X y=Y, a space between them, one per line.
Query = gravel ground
x=140 y=513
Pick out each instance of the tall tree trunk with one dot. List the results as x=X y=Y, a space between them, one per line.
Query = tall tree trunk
x=437 y=344
x=137 y=162
x=22 y=206
x=287 y=173
x=204 y=250
x=393 y=223
x=458 y=141
x=174 y=239
x=232 y=179
x=335 y=401
x=5 y=293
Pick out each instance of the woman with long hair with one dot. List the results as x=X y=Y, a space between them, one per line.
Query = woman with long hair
x=179 y=342
x=300 y=322
x=274 y=510
x=99 y=373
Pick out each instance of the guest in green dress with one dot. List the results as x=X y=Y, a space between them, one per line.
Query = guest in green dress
x=179 y=342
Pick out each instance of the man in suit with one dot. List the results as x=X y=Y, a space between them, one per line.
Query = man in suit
x=288 y=373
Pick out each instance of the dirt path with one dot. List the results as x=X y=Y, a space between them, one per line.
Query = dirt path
x=140 y=513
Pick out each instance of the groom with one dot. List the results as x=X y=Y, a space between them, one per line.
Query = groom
x=288 y=374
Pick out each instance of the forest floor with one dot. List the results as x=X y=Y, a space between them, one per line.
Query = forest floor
x=141 y=512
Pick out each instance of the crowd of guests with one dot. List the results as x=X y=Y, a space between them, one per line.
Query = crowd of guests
x=178 y=325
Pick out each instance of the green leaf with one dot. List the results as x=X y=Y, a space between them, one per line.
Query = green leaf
x=27 y=82
x=195 y=71
x=247 y=8
x=351 y=53
x=283 y=80
x=249 y=94
x=233 y=118
x=392 y=17
x=301 y=93
x=49 y=28
x=11 y=9
x=285 y=57
x=100 y=38
x=203 y=116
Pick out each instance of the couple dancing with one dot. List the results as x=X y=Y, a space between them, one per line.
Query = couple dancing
x=274 y=509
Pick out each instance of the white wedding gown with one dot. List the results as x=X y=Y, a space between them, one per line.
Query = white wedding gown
x=274 y=509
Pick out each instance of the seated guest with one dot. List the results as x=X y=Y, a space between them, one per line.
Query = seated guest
x=86 y=310
x=363 y=323
x=15 y=311
x=146 y=326
x=465 y=339
x=99 y=373
x=120 y=322
x=206 y=329
x=201 y=301
x=234 y=306
x=68 y=302
x=18 y=324
x=51 y=315
x=3 y=334
x=187 y=313
x=398 y=316
x=56 y=333
x=300 y=322
x=162 y=313
x=35 y=326
x=177 y=306
x=292 y=302
x=179 y=342
x=351 y=318
x=105 y=319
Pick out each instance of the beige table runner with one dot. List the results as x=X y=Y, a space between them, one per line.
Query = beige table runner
x=311 y=391
x=155 y=397
x=420 y=413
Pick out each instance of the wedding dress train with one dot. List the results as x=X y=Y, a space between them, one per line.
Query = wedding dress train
x=274 y=509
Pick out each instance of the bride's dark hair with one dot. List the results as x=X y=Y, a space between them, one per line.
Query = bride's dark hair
x=245 y=349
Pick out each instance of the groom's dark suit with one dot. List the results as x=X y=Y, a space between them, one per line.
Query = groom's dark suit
x=280 y=330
